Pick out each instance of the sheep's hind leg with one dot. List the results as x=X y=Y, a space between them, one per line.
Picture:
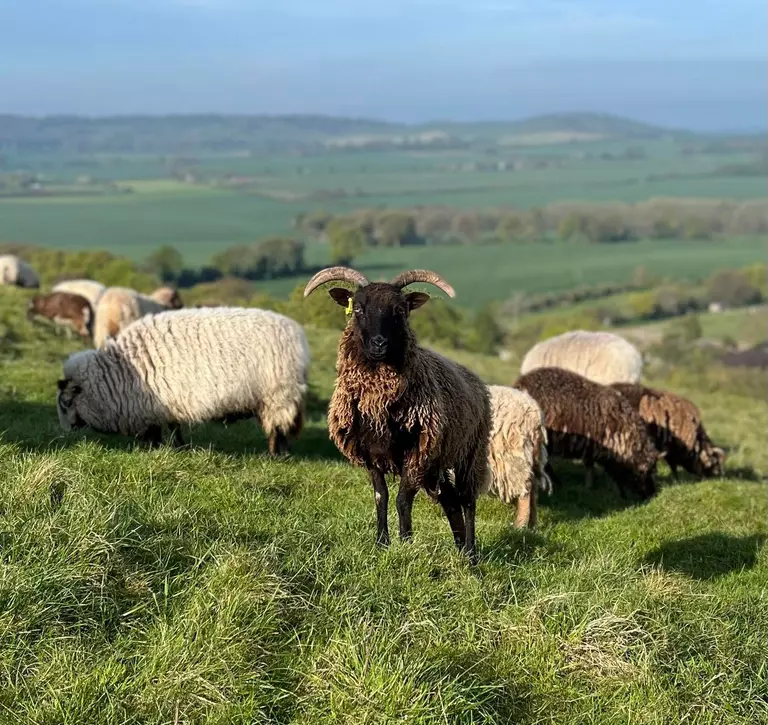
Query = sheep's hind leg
x=278 y=444
x=381 y=497
x=523 y=511
x=404 y=502
x=534 y=517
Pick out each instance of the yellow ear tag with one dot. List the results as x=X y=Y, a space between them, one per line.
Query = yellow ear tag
x=348 y=309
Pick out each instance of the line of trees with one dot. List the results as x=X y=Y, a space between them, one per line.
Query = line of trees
x=600 y=223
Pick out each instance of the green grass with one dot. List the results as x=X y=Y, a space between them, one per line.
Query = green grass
x=213 y=585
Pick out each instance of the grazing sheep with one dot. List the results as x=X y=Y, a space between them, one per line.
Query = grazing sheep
x=190 y=367
x=15 y=271
x=674 y=423
x=594 y=423
x=118 y=307
x=168 y=297
x=398 y=408
x=87 y=288
x=602 y=357
x=63 y=308
x=517 y=452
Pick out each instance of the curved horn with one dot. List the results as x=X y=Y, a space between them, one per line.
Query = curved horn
x=330 y=274
x=423 y=275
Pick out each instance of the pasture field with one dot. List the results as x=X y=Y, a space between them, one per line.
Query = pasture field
x=203 y=217
x=213 y=585
x=492 y=273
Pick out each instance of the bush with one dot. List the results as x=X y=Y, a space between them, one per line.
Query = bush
x=733 y=289
x=484 y=335
x=269 y=258
x=56 y=265
x=318 y=309
x=441 y=322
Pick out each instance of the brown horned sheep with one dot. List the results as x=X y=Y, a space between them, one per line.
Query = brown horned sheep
x=399 y=408
x=596 y=424
x=675 y=426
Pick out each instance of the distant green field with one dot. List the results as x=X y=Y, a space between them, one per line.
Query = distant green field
x=483 y=274
x=200 y=220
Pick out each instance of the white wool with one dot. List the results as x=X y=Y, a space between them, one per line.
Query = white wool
x=602 y=357
x=88 y=288
x=15 y=271
x=191 y=366
x=517 y=452
x=117 y=308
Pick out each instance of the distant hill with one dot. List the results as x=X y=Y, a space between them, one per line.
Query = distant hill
x=296 y=133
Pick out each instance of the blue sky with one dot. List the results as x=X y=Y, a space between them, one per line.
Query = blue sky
x=696 y=63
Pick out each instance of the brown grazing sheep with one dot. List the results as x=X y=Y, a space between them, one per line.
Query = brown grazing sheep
x=399 y=408
x=63 y=308
x=674 y=423
x=596 y=424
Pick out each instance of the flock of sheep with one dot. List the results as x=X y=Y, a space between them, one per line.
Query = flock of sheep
x=397 y=408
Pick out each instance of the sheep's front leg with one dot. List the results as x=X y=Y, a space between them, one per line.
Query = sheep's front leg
x=449 y=499
x=381 y=497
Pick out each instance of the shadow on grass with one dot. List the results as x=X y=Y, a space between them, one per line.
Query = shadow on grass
x=572 y=500
x=34 y=427
x=512 y=546
x=708 y=556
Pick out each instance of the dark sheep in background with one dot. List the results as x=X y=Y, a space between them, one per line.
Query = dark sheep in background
x=596 y=424
x=399 y=408
x=676 y=427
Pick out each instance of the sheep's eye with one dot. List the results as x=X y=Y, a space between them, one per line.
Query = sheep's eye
x=358 y=309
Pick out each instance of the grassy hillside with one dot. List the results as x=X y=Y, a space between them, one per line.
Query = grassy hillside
x=213 y=585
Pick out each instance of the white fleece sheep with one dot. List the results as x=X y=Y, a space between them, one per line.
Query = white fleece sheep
x=118 y=307
x=15 y=271
x=517 y=452
x=188 y=367
x=602 y=357
x=88 y=288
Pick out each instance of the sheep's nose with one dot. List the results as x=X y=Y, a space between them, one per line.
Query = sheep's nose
x=379 y=341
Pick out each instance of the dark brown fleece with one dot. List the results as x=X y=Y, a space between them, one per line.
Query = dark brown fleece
x=592 y=422
x=431 y=416
x=64 y=308
x=676 y=427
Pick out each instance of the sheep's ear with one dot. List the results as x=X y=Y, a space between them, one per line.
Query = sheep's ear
x=63 y=384
x=416 y=300
x=341 y=296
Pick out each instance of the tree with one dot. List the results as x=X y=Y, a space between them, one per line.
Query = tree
x=511 y=228
x=347 y=241
x=732 y=289
x=166 y=262
x=396 y=229
x=486 y=335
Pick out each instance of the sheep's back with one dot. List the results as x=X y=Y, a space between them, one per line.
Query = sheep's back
x=88 y=288
x=581 y=416
x=602 y=357
x=200 y=362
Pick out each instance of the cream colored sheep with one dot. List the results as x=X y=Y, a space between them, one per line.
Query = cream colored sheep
x=517 y=452
x=15 y=271
x=88 y=288
x=118 y=307
x=189 y=367
x=601 y=357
